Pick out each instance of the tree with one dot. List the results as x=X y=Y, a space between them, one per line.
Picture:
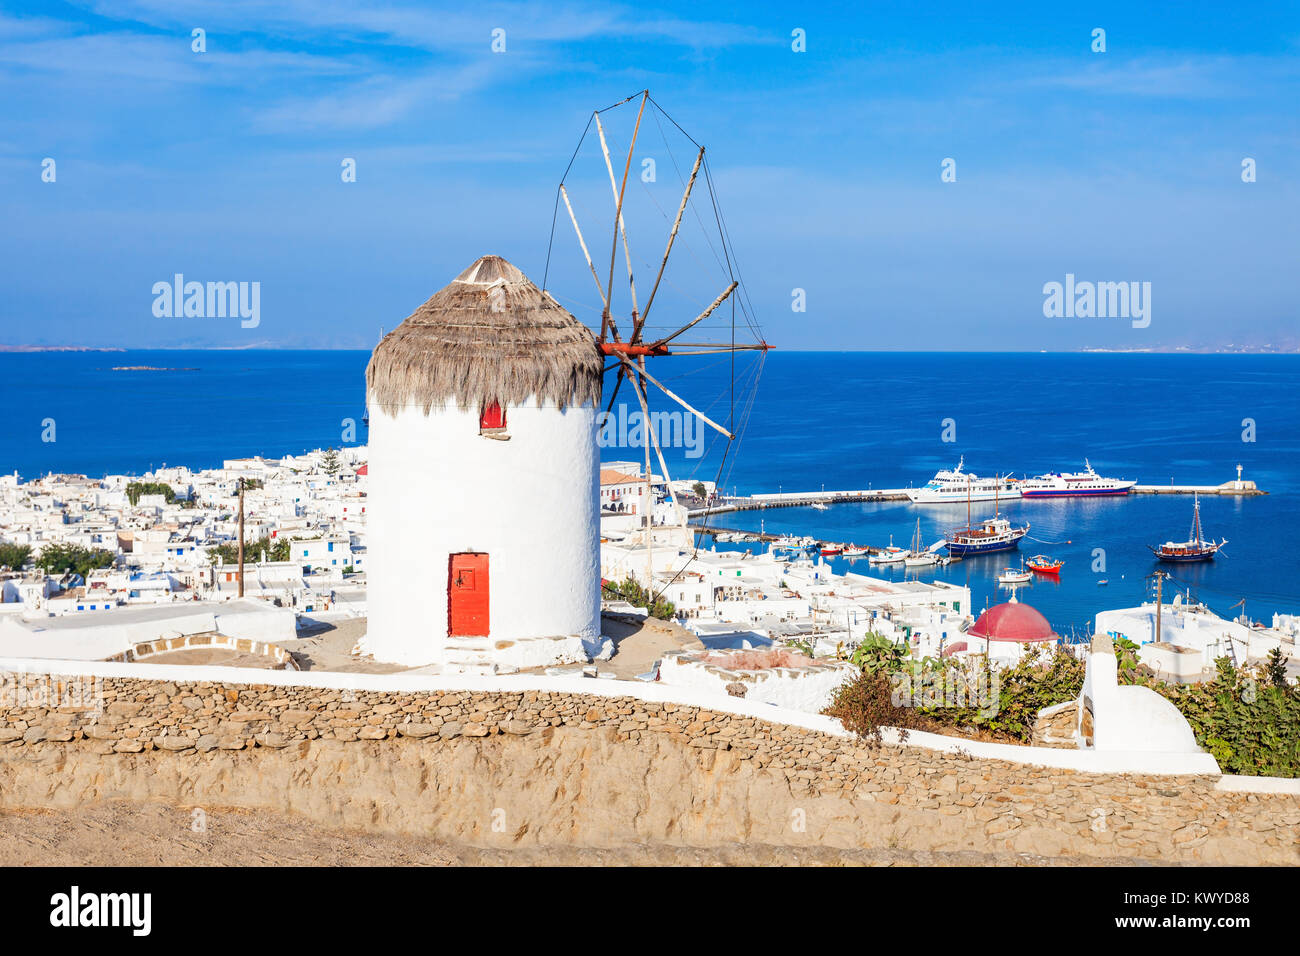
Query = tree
x=700 y=491
x=14 y=556
x=1275 y=669
x=62 y=558
x=330 y=463
x=136 y=489
x=276 y=550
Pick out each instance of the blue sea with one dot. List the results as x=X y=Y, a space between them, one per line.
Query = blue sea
x=842 y=420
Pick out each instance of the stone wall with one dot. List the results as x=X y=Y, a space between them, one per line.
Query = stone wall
x=531 y=767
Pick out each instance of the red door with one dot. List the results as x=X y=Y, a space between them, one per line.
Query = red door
x=467 y=595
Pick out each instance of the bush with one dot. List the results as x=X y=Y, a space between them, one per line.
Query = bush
x=634 y=594
x=57 y=559
x=952 y=694
x=1248 y=718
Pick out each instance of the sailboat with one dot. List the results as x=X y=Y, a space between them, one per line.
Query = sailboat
x=993 y=534
x=1195 y=549
x=919 y=557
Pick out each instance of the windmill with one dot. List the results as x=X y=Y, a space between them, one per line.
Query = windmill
x=720 y=316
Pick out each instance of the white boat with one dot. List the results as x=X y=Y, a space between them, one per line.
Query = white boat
x=889 y=555
x=919 y=556
x=1011 y=577
x=952 y=485
x=820 y=506
x=1072 y=484
x=853 y=551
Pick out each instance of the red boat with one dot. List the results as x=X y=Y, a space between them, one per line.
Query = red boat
x=831 y=550
x=1042 y=564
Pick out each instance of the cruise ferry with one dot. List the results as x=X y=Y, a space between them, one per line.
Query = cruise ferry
x=1058 y=484
x=956 y=485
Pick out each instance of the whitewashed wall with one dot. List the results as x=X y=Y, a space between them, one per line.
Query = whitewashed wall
x=437 y=487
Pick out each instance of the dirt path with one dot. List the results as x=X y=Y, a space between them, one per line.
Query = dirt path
x=639 y=642
x=156 y=835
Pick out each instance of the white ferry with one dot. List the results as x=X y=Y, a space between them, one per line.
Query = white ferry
x=957 y=485
x=1071 y=483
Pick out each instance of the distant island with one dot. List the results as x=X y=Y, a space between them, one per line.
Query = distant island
x=58 y=348
x=152 y=368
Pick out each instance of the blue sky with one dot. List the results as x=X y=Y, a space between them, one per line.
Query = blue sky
x=225 y=165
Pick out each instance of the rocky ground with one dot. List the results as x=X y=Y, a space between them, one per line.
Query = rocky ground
x=156 y=835
x=639 y=642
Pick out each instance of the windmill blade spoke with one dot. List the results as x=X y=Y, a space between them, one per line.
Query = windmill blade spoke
x=621 y=225
x=622 y=189
x=711 y=347
x=617 y=385
x=701 y=317
x=677 y=398
x=672 y=236
x=653 y=439
x=604 y=301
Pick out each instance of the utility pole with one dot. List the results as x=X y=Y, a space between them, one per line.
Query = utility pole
x=241 y=537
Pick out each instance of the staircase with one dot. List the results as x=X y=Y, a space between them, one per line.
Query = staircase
x=468 y=655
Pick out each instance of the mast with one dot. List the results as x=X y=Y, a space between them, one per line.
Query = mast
x=1196 y=519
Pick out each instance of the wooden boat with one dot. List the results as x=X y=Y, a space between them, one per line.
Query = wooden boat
x=853 y=551
x=1042 y=564
x=831 y=550
x=1194 y=549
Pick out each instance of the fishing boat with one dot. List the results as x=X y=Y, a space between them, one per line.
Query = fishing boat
x=889 y=555
x=955 y=485
x=1194 y=549
x=1070 y=484
x=1042 y=564
x=853 y=551
x=1010 y=577
x=831 y=550
x=820 y=506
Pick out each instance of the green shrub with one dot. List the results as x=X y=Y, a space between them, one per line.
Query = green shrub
x=636 y=595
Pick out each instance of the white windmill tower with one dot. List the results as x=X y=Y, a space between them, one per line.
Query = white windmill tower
x=482 y=527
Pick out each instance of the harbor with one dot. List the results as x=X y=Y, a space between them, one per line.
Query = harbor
x=1237 y=487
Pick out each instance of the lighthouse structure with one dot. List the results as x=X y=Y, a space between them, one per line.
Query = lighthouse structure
x=482 y=521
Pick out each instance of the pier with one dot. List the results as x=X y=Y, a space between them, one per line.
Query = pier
x=795 y=499
x=1227 y=488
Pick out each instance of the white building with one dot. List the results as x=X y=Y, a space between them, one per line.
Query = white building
x=482 y=521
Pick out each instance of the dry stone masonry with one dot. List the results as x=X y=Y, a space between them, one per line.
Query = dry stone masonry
x=511 y=768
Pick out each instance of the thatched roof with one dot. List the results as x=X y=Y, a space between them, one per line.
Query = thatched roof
x=489 y=336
